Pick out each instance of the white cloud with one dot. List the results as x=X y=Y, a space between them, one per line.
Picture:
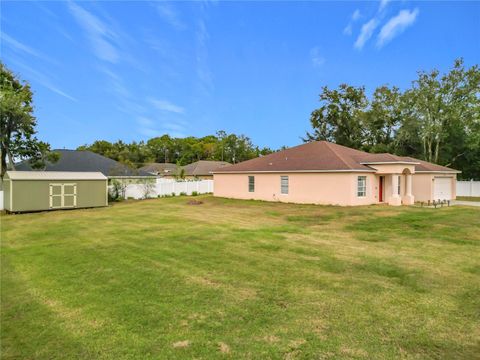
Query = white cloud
x=366 y=33
x=100 y=35
x=44 y=80
x=147 y=128
x=383 y=4
x=203 y=70
x=356 y=15
x=145 y=121
x=116 y=83
x=22 y=48
x=168 y=13
x=396 y=25
x=316 y=57
x=165 y=105
x=348 y=29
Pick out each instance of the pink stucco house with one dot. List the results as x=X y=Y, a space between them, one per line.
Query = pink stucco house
x=325 y=173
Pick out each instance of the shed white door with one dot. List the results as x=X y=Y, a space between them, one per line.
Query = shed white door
x=63 y=196
x=442 y=188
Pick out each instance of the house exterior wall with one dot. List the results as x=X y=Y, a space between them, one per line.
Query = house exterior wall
x=305 y=188
x=423 y=185
x=392 y=168
x=323 y=188
x=34 y=195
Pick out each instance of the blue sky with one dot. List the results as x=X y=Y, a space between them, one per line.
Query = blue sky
x=135 y=70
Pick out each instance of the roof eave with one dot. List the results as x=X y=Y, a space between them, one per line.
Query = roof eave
x=389 y=163
x=295 y=171
x=438 y=171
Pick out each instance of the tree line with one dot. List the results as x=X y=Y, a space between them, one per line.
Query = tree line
x=182 y=151
x=437 y=119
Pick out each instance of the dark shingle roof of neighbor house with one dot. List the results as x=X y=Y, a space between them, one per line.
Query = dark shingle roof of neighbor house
x=84 y=160
x=324 y=156
x=204 y=167
x=160 y=168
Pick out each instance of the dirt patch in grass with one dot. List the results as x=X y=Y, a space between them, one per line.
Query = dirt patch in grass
x=181 y=344
x=204 y=281
x=223 y=348
x=271 y=339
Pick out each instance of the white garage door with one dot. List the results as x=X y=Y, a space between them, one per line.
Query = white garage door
x=442 y=188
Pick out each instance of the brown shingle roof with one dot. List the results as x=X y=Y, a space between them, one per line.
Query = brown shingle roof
x=324 y=156
x=426 y=166
x=203 y=167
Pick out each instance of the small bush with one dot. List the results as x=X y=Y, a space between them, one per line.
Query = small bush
x=183 y=193
x=173 y=194
x=194 y=193
x=112 y=197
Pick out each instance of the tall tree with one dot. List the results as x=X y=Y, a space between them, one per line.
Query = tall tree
x=17 y=124
x=444 y=105
x=382 y=119
x=338 y=119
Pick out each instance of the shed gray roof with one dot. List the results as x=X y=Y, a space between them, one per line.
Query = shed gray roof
x=86 y=161
x=54 y=175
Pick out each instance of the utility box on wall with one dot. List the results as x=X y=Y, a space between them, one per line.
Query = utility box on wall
x=51 y=190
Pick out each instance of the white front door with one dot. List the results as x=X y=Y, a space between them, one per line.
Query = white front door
x=442 y=188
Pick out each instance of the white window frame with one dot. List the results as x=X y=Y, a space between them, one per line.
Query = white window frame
x=252 y=189
x=362 y=186
x=283 y=186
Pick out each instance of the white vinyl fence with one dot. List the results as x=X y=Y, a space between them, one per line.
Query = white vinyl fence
x=1 y=200
x=468 y=188
x=168 y=187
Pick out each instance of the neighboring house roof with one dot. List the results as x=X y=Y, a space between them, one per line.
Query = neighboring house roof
x=55 y=175
x=160 y=168
x=85 y=161
x=318 y=156
x=204 y=167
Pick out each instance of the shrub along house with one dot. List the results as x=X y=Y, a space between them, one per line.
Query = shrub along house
x=325 y=173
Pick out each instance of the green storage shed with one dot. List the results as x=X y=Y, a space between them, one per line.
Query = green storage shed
x=51 y=190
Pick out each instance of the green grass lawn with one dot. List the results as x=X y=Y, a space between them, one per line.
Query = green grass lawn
x=468 y=198
x=241 y=279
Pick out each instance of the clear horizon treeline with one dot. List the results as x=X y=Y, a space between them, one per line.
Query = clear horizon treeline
x=231 y=148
